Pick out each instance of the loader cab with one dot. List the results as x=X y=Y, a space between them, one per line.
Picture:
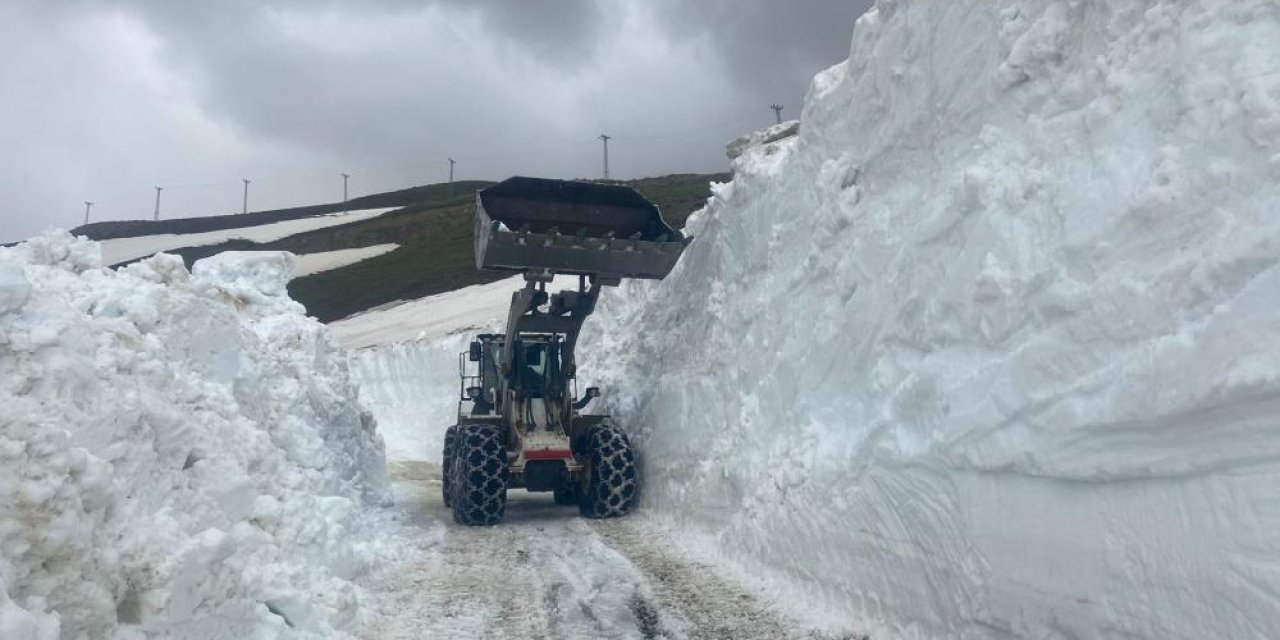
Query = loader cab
x=482 y=381
x=533 y=369
x=537 y=369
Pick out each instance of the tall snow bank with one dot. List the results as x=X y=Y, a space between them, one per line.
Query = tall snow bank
x=180 y=456
x=413 y=389
x=992 y=348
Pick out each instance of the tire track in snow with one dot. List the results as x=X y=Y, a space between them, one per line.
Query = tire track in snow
x=547 y=573
x=710 y=607
x=472 y=583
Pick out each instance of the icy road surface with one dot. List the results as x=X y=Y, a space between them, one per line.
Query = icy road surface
x=545 y=572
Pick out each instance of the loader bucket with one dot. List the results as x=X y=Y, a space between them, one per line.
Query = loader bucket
x=580 y=228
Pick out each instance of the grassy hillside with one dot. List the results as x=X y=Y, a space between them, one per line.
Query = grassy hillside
x=435 y=255
x=436 y=246
x=443 y=194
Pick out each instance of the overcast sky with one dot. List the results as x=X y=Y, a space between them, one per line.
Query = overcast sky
x=104 y=100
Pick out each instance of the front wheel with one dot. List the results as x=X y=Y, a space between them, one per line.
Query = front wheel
x=611 y=474
x=479 y=476
x=567 y=495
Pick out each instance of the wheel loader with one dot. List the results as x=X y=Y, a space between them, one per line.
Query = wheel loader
x=521 y=420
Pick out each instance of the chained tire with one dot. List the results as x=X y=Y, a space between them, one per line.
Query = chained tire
x=479 y=476
x=446 y=465
x=611 y=474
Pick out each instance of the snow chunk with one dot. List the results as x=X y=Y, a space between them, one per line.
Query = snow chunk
x=17 y=623
x=175 y=450
x=56 y=247
x=762 y=137
x=14 y=288
x=249 y=275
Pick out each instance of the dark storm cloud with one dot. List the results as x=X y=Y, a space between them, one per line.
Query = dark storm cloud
x=367 y=104
x=564 y=31
x=364 y=104
x=772 y=48
x=567 y=31
x=110 y=97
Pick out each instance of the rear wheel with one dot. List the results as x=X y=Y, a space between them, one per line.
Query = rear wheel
x=611 y=474
x=479 y=476
x=446 y=465
x=567 y=495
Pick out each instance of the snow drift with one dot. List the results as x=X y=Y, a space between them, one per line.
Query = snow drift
x=180 y=455
x=992 y=347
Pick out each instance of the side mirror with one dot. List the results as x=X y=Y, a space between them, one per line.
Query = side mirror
x=474 y=354
x=591 y=392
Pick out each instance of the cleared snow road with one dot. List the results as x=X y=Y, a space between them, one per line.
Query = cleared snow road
x=547 y=573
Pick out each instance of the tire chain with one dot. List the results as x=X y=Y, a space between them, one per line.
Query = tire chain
x=479 y=476
x=611 y=487
x=446 y=467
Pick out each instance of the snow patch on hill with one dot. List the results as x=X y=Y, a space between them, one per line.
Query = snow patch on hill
x=117 y=250
x=309 y=263
x=476 y=308
x=992 y=347
x=180 y=455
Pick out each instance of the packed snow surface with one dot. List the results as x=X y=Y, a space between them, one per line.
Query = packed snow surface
x=309 y=263
x=119 y=250
x=992 y=347
x=181 y=455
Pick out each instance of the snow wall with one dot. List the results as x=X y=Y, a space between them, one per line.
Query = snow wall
x=991 y=349
x=180 y=456
x=413 y=389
